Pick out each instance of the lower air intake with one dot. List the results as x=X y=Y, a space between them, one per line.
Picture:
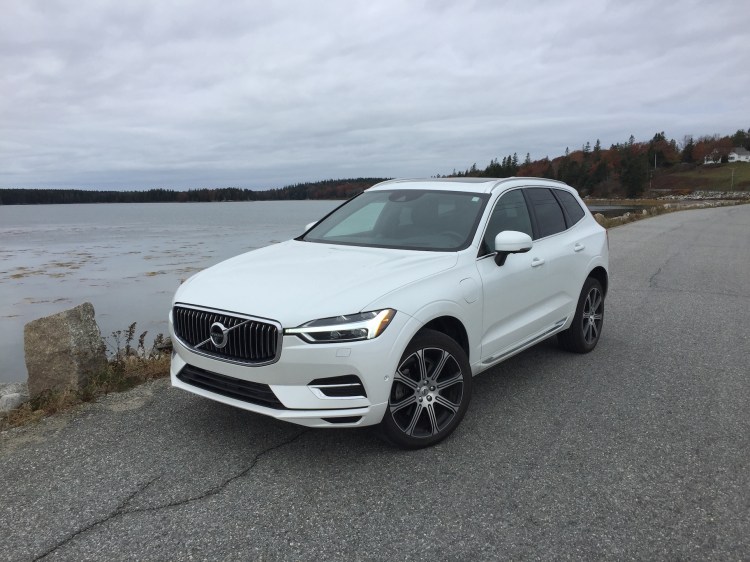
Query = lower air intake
x=246 y=391
x=345 y=419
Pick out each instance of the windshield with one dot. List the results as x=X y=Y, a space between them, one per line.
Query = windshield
x=406 y=219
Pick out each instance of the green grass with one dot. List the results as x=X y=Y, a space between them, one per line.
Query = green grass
x=716 y=177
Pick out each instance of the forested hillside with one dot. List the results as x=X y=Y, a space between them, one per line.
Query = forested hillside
x=628 y=168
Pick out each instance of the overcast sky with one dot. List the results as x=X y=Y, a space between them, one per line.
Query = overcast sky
x=130 y=94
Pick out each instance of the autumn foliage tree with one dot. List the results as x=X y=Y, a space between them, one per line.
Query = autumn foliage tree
x=625 y=168
x=714 y=146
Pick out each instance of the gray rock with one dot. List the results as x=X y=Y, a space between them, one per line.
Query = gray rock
x=599 y=218
x=63 y=350
x=10 y=402
x=12 y=395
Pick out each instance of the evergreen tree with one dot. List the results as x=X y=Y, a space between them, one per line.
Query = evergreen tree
x=688 y=146
x=740 y=139
x=633 y=171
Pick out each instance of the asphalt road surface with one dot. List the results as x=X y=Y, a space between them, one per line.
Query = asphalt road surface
x=639 y=450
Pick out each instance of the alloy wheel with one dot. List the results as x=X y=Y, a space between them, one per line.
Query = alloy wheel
x=427 y=392
x=591 y=320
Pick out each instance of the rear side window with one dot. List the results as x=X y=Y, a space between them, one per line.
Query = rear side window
x=549 y=216
x=571 y=205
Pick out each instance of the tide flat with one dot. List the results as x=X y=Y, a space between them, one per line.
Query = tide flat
x=127 y=259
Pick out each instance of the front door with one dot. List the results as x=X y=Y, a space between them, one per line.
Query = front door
x=513 y=292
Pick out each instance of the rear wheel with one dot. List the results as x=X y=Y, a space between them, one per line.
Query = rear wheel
x=430 y=392
x=584 y=332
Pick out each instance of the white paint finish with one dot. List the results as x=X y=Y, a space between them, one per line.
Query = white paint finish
x=503 y=309
x=470 y=289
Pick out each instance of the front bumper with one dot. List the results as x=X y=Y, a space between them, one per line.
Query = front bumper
x=373 y=361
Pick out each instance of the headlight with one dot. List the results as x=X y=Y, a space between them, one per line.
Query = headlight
x=351 y=327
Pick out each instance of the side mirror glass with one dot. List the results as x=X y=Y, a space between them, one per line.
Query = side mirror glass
x=511 y=242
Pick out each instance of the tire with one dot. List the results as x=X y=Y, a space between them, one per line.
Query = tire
x=430 y=392
x=586 y=329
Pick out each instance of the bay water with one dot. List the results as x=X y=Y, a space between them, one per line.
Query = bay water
x=126 y=259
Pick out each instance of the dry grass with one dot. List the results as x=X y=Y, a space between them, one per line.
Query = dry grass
x=130 y=366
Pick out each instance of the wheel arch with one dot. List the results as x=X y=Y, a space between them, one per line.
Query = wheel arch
x=451 y=327
x=600 y=274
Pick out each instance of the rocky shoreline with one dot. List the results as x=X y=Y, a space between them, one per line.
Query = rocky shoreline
x=682 y=203
x=709 y=195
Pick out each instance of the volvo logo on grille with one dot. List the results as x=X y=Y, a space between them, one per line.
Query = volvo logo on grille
x=219 y=335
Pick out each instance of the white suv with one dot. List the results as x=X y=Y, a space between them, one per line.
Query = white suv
x=382 y=311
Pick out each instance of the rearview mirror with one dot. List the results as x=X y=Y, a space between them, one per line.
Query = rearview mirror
x=511 y=242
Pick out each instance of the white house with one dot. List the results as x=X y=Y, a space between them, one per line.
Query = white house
x=739 y=154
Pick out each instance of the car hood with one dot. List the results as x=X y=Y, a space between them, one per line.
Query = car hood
x=295 y=282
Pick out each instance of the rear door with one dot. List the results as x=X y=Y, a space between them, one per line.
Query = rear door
x=577 y=242
x=554 y=257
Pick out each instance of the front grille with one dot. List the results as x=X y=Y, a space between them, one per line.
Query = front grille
x=248 y=341
x=253 y=392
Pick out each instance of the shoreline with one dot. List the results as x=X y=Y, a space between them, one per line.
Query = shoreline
x=648 y=208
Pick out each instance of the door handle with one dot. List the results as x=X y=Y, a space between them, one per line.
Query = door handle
x=536 y=262
x=578 y=247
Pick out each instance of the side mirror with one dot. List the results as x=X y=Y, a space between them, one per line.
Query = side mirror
x=511 y=242
x=309 y=226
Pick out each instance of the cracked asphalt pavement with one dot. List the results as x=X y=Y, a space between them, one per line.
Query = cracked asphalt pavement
x=639 y=450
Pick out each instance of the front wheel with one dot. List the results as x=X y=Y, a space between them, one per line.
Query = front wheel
x=584 y=332
x=430 y=393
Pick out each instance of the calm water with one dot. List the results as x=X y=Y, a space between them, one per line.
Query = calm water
x=126 y=259
x=615 y=210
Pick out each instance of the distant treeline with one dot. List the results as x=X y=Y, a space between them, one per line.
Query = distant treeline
x=326 y=189
x=624 y=169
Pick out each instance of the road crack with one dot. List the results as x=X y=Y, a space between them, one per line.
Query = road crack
x=652 y=279
x=219 y=487
x=117 y=511
x=121 y=508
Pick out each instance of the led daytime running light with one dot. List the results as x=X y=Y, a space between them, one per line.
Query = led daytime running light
x=368 y=329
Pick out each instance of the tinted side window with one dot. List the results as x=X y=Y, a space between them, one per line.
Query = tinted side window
x=549 y=215
x=510 y=213
x=571 y=205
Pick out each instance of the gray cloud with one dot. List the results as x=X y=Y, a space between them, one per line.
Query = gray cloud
x=147 y=94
